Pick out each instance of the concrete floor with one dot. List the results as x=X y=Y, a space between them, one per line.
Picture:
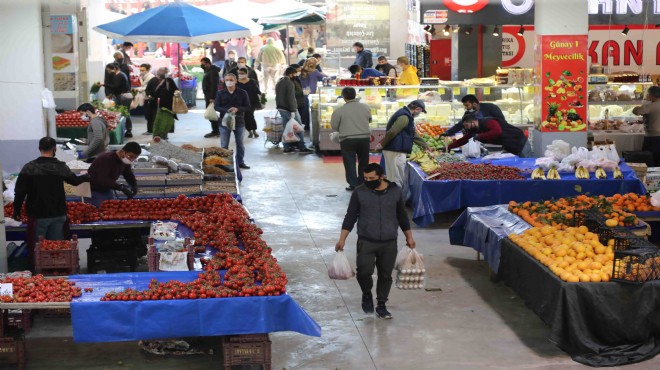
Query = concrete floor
x=465 y=322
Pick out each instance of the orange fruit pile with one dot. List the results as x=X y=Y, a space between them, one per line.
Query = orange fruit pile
x=429 y=129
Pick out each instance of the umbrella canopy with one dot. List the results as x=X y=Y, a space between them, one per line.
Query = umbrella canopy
x=295 y=17
x=177 y=22
x=271 y=13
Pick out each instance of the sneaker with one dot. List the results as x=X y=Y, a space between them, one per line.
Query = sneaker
x=289 y=150
x=244 y=166
x=128 y=134
x=367 y=304
x=250 y=136
x=212 y=134
x=306 y=151
x=147 y=133
x=382 y=312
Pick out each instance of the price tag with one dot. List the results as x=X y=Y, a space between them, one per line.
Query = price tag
x=337 y=92
x=441 y=91
x=639 y=88
x=7 y=289
x=470 y=90
x=457 y=91
x=486 y=90
x=615 y=88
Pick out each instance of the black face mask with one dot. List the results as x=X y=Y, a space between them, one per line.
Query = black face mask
x=373 y=184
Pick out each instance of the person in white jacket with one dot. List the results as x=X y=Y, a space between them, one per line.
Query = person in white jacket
x=150 y=107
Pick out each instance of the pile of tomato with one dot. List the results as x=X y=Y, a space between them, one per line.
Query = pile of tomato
x=77 y=212
x=39 y=289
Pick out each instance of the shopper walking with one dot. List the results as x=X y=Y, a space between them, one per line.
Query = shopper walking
x=363 y=57
x=271 y=60
x=385 y=67
x=230 y=63
x=379 y=210
x=106 y=169
x=40 y=185
x=250 y=86
x=399 y=137
x=120 y=89
x=242 y=63
x=351 y=121
x=287 y=106
x=210 y=86
x=160 y=91
x=300 y=95
x=651 y=113
x=97 y=132
x=235 y=101
x=148 y=106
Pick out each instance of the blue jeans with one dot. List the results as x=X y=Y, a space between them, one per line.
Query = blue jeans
x=239 y=132
x=286 y=116
x=51 y=228
x=99 y=197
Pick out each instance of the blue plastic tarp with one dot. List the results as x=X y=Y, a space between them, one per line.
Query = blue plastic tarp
x=96 y=321
x=428 y=197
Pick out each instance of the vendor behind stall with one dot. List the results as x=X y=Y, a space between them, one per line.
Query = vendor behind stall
x=651 y=113
x=106 y=169
x=494 y=131
x=364 y=73
x=97 y=131
x=481 y=110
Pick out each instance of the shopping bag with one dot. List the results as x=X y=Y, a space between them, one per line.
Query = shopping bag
x=270 y=121
x=289 y=135
x=297 y=127
x=613 y=155
x=229 y=121
x=340 y=268
x=410 y=269
x=107 y=103
x=210 y=113
x=179 y=106
x=472 y=149
x=334 y=137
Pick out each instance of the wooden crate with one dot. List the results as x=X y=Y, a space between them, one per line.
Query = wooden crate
x=253 y=349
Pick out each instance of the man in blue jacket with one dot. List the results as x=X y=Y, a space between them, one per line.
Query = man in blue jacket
x=379 y=210
x=364 y=72
x=363 y=57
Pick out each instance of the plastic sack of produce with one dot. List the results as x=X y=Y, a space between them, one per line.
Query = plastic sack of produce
x=613 y=154
x=559 y=149
x=472 y=149
x=340 y=268
x=210 y=113
x=178 y=104
x=410 y=269
x=107 y=103
x=229 y=121
x=546 y=162
x=289 y=135
x=655 y=199
x=334 y=137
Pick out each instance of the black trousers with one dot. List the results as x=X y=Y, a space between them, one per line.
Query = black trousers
x=350 y=148
x=652 y=144
x=250 y=122
x=150 y=110
x=215 y=125
x=304 y=114
x=381 y=255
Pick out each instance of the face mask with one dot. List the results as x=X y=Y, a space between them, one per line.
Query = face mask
x=241 y=65
x=373 y=184
x=229 y=83
x=126 y=161
x=84 y=117
x=242 y=76
x=470 y=110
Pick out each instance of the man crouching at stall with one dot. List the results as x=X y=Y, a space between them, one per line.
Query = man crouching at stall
x=106 y=169
x=378 y=208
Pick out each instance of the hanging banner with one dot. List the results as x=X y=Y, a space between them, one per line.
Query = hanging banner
x=366 y=21
x=64 y=60
x=562 y=71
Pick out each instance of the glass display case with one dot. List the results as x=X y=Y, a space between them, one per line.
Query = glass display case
x=443 y=106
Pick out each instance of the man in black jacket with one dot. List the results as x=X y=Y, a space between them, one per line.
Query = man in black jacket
x=363 y=57
x=210 y=85
x=40 y=185
x=235 y=101
x=120 y=89
x=379 y=210
x=481 y=110
x=242 y=63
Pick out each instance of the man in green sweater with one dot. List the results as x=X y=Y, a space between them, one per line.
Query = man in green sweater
x=352 y=120
x=399 y=139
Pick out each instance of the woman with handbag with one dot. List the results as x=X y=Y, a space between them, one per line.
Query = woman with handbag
x=120 y=88
x=252 y=88
x=160 y=91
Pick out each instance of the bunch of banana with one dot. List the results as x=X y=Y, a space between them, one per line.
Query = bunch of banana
x=600 y=173
x=553 y=174
x=617 y=173
x=415 y=156
x=581 y=173
x=538 y=174
x=429 y=165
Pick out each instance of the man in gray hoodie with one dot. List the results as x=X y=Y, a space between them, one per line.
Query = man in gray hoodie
x=379 y=210
x=352 y=120
x=97 y=132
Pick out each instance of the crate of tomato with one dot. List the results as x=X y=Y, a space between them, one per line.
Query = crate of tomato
x=57 y=257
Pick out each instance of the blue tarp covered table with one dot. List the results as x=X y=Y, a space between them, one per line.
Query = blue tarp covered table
x=96 y=321
x=428 y=197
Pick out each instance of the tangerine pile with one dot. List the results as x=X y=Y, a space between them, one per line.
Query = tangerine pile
x=431 y=130
x=573 y=254
x=617 y=208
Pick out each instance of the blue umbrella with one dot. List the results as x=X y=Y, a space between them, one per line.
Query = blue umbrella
x=174 y=22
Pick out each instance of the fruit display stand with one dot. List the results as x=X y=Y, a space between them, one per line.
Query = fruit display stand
x=429 y=197
x=116 y=135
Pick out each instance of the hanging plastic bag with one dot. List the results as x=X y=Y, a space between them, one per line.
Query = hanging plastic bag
x=210 y=113
x=613 y=154
x=472 y=149
x=297 y=127
x=655 y=199
x=229 y=121
x=47 y=99
x=179 y=105
x=334 y=137
x=410 y=269
x=289 y=135
x=340 y=268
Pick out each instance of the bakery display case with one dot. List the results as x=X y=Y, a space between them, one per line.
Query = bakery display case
x=442 y=101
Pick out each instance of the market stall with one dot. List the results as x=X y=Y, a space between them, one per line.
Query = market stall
x=428 y=197
x=70 y=125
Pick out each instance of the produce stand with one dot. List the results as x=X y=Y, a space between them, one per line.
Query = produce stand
x=598 y=324
x=625 y=142
x=116 y=135
x=428 y=197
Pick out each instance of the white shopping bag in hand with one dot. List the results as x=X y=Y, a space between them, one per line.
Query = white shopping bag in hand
x=289 y=134
x=340 y=268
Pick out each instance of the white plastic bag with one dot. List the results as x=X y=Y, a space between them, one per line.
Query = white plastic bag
x=655 y=199
x=210 y=113
x=229 y=121
x=47 y=99
x=289 y=135
x=340 y=268
x=546 y=162
x=297 y=127
x=613 y=154
x=472 y=149
x=411 y=270
x=138 y=100
x=107 y=103
x=559 y=149
x=334 y=137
